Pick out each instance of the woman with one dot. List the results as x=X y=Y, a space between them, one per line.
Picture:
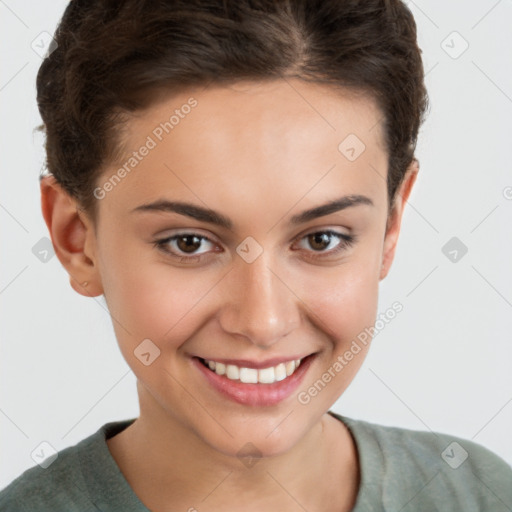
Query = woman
x=231 y=176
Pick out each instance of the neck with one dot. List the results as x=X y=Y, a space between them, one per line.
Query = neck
x=165 y=462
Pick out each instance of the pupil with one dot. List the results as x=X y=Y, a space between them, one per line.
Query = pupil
x=191 y=243
x=322 y=239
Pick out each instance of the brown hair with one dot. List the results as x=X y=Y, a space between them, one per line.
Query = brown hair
x=111 y=55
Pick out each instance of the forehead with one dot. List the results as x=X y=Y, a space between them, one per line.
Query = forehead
x=266 y=107
x=236 y=139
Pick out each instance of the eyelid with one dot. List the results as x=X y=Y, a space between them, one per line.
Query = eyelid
x=169 y=233
x=162 y=241
x=345 y=240
x=338 y=230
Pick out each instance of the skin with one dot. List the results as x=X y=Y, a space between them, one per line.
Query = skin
x=258 y=153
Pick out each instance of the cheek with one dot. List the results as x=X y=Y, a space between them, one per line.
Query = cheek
x=157 y=300
x=148 y=298
x=345 y=308
x=345 y=298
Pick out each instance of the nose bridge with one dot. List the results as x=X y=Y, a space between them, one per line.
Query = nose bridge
x=262 y=308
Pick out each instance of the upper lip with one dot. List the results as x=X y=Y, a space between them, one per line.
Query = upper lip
x=246 y=363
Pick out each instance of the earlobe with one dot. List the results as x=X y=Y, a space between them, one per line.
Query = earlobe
x=395 y=218
x=72 y=237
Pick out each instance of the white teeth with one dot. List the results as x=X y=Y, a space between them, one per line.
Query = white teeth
x=290 y=367
x=249 y=375
x=232 y=372
x=280 y=371
x=253 y=375
x=266 y=375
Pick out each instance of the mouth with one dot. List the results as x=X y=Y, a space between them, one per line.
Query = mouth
x=251 y=375
x=256 y=384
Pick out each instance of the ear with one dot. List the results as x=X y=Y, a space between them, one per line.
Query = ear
x=73 y=237
x=395 y=217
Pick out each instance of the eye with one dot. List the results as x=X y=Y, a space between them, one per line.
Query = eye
x=326 y=243
x=193 y=247
x=186 y=245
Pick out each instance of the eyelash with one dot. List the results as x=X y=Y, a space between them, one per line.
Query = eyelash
x=345 y=242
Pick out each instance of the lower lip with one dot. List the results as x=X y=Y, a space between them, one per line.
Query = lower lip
x=256 y=394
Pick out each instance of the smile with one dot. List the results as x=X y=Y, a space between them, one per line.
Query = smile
x=253 y=375
x=265 y=385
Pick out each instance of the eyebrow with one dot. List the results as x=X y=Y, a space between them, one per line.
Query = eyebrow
x=211 y=216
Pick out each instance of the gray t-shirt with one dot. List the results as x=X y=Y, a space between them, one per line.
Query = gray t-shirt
x=401 y=470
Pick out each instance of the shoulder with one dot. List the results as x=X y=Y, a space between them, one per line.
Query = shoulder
x=60 y=484
x=427 y=447
x=64 y=484
x=414 y=469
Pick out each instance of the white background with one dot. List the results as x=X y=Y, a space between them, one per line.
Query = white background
x=443 y=364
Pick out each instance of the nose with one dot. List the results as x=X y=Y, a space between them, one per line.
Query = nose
x=262 y=306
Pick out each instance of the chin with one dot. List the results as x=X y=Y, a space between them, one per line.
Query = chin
x=257 y=438
x=254 y=446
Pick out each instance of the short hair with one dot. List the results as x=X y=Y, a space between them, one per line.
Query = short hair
x=112 y=56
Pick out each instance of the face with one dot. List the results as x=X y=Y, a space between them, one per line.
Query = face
x=216 y=245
